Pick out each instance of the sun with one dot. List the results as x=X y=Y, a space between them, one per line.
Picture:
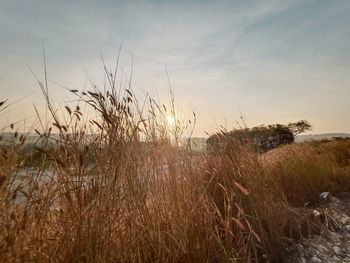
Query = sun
x=170 y=120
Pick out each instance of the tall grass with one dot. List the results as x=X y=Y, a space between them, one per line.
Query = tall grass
x=125 y=190
x=305 y=170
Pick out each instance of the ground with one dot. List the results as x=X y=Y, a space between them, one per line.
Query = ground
x=332 y=245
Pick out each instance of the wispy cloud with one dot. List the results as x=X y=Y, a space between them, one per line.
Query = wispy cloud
x=274 y=60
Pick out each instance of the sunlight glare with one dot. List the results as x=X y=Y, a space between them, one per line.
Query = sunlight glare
x=170 y=120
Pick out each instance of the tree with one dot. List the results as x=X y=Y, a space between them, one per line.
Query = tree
x=299 y=127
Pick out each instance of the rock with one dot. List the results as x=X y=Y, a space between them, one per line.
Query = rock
x=335 y=236
x=344 y=220
x=316 y=259
x=347 y=228
x=336 y=259
x=321 y=248
x=334 y=200
x=329 y=244
x=316 y=213
x=336 y=250
x=324 y=195
x=300 y=247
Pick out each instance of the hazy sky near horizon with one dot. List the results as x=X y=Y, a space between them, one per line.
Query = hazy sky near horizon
x=271 y=61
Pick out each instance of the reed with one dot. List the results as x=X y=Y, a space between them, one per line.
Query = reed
x=123 y=189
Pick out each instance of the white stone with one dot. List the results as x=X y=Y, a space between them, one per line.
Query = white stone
x=321 y=248
x=324 y=195
x=336 y=250
x=316 y=259
x=316 y=213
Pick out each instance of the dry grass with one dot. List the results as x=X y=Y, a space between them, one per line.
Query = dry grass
x=307 y=169
x=124 y=190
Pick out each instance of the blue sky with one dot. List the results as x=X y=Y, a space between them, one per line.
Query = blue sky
x=272 y=61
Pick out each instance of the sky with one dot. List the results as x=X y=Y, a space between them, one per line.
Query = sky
x=268 y=61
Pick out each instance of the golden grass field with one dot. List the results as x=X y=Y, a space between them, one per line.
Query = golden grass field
x=132 y=193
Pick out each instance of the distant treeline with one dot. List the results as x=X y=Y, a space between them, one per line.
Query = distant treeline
x=263 y=137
